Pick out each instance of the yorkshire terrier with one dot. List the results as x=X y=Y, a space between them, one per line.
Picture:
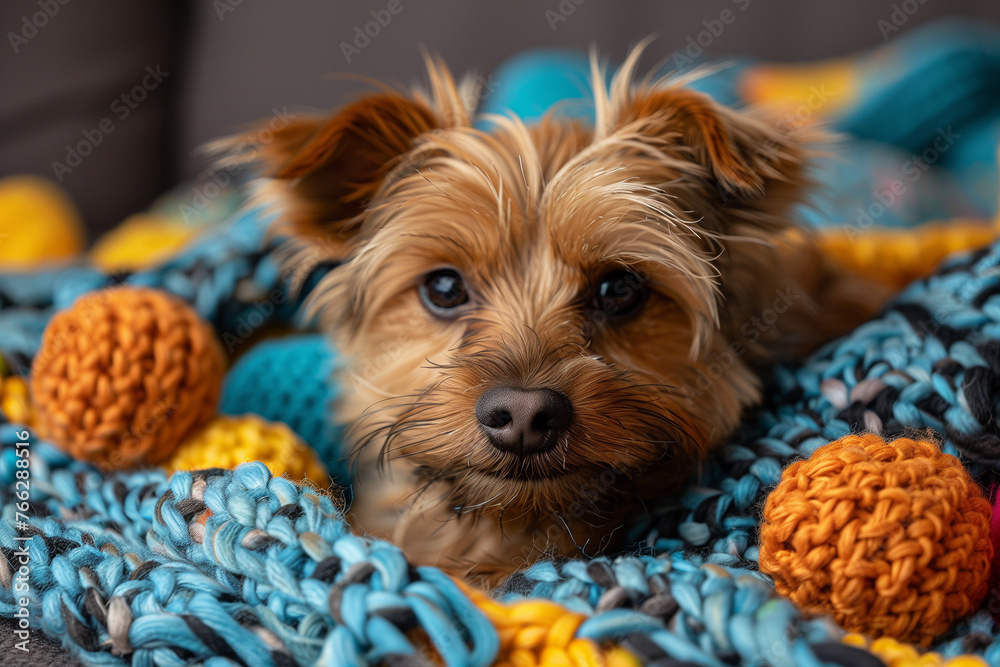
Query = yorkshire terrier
x=547 y=324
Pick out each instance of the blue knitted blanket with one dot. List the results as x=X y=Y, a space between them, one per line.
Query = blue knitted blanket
x=122 y=569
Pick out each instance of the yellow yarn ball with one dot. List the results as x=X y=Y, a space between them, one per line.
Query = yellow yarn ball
x=38 y=223
x=229 y=441
x=141 y=241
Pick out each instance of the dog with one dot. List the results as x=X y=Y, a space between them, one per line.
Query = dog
x=546 y=326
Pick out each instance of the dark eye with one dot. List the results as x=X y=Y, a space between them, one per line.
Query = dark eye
x=443 y=292
x=620 y=294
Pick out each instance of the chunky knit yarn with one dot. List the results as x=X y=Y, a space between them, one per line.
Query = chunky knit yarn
x=690 y=594
x=894 y=654
x=246 y=567
x=891 y=538
x=125 y=375
x=539 y=632
x=930 y=361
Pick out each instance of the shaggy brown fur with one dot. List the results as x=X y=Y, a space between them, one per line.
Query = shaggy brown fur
x=643 y=268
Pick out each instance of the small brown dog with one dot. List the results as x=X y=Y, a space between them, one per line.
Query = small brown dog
x=546 y=325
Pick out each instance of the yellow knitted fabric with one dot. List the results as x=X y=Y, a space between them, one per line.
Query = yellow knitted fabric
x=15 y=401
x=812 y=90
x=895 y=654
x=540 y=632
x=229 y=441
x=896 y=257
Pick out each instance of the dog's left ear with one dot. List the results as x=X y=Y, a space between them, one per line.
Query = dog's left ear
x=327 y=169
x=743 y=155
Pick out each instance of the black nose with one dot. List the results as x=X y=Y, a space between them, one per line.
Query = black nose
x=523 y=421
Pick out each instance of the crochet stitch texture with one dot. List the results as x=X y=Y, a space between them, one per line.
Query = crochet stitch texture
x=891 y=538
x=125 y=375
x=226 y=442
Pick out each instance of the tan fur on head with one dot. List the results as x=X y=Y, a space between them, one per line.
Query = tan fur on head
x=686 y=200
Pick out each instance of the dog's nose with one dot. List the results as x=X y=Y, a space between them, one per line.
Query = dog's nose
x=523 y=421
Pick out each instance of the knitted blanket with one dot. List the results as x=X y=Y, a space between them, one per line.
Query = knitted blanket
x=125 y=566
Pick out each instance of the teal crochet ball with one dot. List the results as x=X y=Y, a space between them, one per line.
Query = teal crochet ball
x=290 y=380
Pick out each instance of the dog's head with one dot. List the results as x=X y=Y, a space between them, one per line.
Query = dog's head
x=526 y=308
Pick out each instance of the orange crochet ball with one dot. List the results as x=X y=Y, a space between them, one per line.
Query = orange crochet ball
x=892 y=539
x=124 y=376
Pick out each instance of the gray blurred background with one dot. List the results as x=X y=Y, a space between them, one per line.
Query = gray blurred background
x=223 y=63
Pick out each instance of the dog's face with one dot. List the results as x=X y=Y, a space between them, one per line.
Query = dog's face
x=526 y=308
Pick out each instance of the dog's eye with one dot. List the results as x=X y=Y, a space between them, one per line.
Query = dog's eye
x=443 y=291
x=620 y=294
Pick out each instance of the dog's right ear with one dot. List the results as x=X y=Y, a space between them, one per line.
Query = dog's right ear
x=326 y=170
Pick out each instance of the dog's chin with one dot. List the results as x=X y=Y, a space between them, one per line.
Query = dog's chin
x=512 y=489
x=476 y=476
x=534 y=471
x=525 y=475
x=486 y=493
